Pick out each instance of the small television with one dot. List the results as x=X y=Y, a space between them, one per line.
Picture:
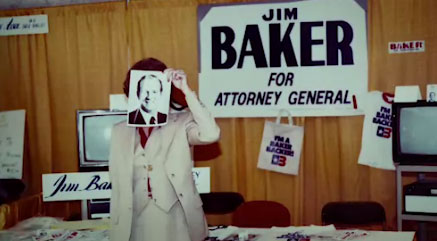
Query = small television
x=415 y=133
x=94 y=137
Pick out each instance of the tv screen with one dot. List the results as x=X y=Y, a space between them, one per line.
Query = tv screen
x=415 y=132
x=417 y=135
x=94 y=137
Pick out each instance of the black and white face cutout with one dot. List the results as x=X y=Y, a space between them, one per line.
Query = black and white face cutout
x=149 y=97
x=431 y=93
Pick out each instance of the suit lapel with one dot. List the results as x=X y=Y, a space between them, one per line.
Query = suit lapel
x=140 y=118
x=161 y=139
x=168 y=133
x=127 y=147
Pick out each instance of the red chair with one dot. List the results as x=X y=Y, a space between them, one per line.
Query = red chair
x=261 y=214
x=221 y=202
x=354 y=214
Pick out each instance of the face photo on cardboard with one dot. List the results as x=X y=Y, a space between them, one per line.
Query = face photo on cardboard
x=149 y=98
x=431 y=93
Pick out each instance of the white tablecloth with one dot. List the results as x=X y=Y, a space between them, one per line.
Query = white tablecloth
x=44 y=229
x=316 y=233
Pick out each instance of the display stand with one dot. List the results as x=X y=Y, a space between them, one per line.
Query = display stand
x=420 y=170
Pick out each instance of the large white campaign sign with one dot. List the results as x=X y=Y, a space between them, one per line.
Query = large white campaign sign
x=309 y=57
x=96 y=185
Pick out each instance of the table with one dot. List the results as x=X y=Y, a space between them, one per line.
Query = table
x=422 y=219
x=317 y=233
x=46 y=228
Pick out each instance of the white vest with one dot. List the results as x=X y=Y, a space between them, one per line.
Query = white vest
x=163 y=194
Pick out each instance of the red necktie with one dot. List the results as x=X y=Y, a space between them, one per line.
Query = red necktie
x=143 y=140
x=143 y=136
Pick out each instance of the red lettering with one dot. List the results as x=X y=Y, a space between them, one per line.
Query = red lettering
x=282 y=161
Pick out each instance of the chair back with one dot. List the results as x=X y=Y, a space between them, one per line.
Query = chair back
x=221 y=202
x=344 y=214
x=261 y=214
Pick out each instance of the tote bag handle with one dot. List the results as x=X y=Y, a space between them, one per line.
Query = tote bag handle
x=278 y=118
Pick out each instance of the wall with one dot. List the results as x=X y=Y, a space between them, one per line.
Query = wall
x=86 y=54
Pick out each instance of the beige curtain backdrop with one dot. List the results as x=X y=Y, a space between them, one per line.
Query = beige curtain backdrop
x=85 y=56
x=75 y=66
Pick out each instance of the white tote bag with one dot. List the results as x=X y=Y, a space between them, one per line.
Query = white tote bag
x=281 y=146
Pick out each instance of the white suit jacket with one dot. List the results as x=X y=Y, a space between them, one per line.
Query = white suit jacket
x=171 y=145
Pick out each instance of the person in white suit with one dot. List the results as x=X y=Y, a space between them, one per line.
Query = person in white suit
x=153 y=193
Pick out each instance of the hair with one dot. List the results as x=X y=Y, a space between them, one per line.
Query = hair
x=144 y=78
x=144 y=64
x=177 y=99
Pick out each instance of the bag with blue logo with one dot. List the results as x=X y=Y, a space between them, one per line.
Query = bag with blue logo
x=281 y=146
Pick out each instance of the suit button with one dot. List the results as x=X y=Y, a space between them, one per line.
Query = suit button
x=172 y=175
x=181 y=195
x=149 y=168
x=154 y=199
x=143 y=155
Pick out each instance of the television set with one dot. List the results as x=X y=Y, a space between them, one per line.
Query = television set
x=94 y=137
x=415 y=133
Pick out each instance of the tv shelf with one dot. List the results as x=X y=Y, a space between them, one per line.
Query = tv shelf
x=421 y=218
x=416 y=217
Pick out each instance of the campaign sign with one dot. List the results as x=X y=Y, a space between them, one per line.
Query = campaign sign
x=11 y=143
x=406 y=47
x=76 y=186
x=96 y=185
x=19 y=25
x=309 y=57
x=202 y=179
